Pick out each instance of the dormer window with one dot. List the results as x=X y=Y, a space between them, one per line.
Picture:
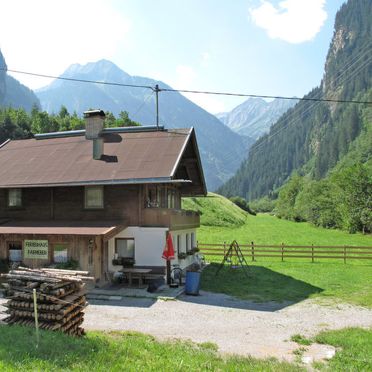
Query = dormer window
x=15 y=198
x=94 y=197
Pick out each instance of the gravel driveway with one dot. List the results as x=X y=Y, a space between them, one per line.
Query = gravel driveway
x=238 y=327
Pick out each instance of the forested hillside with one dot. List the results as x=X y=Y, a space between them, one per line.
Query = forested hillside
x=18 y=124
x=313 y=137
x=13 y=93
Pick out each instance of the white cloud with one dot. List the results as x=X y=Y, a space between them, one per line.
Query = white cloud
x=185 y=76
x=294 y=21
x=47 y=36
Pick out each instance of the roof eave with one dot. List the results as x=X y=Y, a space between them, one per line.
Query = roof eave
x=99 y=183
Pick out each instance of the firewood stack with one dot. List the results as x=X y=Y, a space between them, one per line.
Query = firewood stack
x=60 y=297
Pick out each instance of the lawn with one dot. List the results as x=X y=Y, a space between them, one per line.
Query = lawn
x=294 y=281
x=273 y=280
x=117 y=351
x=266 y=229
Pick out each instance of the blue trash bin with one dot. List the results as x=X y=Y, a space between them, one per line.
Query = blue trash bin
x=192 y=284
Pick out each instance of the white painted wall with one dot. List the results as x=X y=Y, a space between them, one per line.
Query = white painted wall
x=182 y=233
x=149 y=245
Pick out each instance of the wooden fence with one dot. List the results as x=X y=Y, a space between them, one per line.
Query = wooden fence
x=314 y=252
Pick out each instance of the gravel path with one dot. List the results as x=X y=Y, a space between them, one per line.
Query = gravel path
x=238 y=327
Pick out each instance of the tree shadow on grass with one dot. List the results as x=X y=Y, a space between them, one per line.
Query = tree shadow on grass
x=262 y=290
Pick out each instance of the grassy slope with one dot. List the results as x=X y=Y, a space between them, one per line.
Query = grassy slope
x=116 y=351
x=216 y=210
x=293 y=279
x=266 y=229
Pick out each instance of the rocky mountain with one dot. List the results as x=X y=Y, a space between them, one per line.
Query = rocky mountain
x=313 y=137
x=255 y=116
x=13 y=93
x=221 y=149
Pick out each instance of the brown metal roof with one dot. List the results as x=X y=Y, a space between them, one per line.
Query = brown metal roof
x=85 y=228
x=128 y=158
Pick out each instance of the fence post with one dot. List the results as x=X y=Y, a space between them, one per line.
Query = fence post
x=36 y=318
x=252 y=250
x=282 y=252
x=224 y=249
x=344 y=254
x=312 y=253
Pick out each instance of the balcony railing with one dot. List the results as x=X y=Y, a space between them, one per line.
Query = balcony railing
x=171 y=218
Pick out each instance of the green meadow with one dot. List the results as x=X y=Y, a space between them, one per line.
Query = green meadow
x=270 y=279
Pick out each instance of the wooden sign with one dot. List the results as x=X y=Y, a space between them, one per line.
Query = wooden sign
x=35 y=249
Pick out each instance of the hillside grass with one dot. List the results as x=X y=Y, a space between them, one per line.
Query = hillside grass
x=215 y=210
x=267 y=229
x=117 y=351
x=294 y=279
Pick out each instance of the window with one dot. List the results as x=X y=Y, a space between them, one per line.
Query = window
x=14 y=198
x=94 y=197
x=124 y=247
x=187 y=242
x=171 y=198
x=193 y=240
x=15 y=251
x=179 y=244
x=60 y=253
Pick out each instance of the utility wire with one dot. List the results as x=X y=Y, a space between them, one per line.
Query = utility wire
x=184 y=90
x=77 y=80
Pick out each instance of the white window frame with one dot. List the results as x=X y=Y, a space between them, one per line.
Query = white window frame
x=97 y=206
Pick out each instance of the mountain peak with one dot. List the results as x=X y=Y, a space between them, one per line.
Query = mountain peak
x=99 y=70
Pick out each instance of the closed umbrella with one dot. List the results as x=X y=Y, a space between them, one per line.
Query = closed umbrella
x=168 y=255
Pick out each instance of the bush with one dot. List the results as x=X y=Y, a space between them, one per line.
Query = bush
x=243 y=204
x=263 y=205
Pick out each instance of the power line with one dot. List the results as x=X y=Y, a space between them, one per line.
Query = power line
x=158 y=89
x=77 y=80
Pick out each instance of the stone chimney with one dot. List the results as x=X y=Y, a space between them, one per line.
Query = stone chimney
x=93 y=128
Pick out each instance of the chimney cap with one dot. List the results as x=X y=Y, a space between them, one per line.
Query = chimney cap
x=91 y=113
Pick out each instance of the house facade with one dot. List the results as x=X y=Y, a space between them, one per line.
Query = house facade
x=99 y=196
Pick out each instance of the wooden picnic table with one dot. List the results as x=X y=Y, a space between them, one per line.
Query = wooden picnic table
x=131 y=272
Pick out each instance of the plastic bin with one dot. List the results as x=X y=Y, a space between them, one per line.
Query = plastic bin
x=192 y=284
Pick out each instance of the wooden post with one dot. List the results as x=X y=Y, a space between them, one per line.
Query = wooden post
x=252 y=250
x=224 y=249
x=312 y=253
x=36 y=318
x=344 y=254
x=282 y=252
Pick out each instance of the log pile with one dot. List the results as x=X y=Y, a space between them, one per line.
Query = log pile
x=61 y=298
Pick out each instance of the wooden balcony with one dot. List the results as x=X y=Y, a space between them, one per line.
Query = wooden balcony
x=172 y=218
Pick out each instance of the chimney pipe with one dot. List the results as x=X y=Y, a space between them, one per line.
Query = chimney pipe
x=94 y=120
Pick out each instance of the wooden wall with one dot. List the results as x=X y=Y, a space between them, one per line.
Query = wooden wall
x=67 y=203
x=84 y=249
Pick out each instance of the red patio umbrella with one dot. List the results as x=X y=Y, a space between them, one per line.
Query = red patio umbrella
x=168 y=253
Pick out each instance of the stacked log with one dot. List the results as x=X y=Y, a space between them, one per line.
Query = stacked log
x=60 y=294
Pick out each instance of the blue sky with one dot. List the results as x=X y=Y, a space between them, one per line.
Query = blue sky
x=266 y=47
